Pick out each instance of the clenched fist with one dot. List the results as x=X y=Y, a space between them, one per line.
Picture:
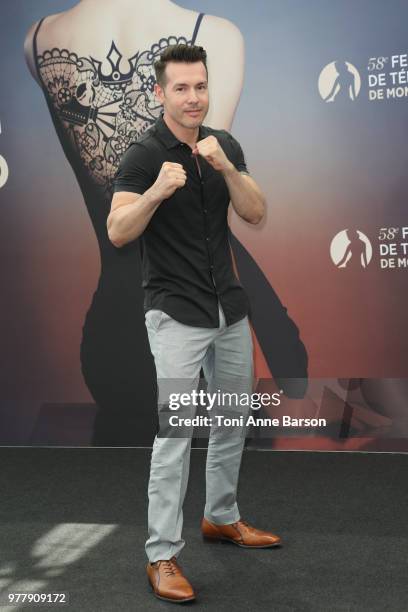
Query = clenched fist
x=172 y=176
x=211 y=150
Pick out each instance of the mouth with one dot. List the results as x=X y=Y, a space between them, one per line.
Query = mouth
x=193 y=113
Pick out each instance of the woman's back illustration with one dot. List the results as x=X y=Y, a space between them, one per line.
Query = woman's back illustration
x=94 y=64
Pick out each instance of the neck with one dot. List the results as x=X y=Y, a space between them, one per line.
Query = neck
x=187 y=135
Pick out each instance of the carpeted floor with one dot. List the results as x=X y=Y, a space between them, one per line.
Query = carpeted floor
x=74 y=521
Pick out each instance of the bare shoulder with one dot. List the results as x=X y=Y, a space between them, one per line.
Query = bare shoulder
x=29 y=42
x=220 y=34
x=28 y=50
x=225 y=48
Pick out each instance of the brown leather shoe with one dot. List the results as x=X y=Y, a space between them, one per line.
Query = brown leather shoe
x=240 y=533
x=168 y=582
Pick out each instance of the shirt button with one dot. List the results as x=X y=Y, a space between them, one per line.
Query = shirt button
x=212 y=267
x=205 y=210
x=207 y=238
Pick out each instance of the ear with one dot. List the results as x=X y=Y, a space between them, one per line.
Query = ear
x=159 y=93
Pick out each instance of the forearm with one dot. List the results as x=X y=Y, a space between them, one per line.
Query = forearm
x=246 y=198
x=128 y=222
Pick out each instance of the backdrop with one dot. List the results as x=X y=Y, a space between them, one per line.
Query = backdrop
x=321 y=119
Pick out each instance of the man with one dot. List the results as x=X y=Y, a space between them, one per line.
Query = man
x=173 y=188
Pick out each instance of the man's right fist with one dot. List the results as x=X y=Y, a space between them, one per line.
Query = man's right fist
x=172 y=176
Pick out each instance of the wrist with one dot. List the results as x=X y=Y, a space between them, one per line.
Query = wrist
x=153 y=195
x=229 y=169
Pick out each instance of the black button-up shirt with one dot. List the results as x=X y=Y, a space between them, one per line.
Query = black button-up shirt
x=186 y=257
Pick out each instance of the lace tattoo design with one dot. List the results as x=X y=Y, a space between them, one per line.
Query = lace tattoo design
x=103 y=113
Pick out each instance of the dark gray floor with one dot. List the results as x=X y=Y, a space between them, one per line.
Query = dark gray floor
x=74 y=520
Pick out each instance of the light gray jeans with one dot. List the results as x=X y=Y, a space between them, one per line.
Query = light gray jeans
x=226 y=356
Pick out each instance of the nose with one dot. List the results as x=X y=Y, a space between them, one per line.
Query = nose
x=192 y=97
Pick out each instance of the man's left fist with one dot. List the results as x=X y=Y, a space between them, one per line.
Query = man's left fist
x=211 y=150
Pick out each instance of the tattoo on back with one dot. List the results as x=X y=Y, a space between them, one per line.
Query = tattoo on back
x=103 y=106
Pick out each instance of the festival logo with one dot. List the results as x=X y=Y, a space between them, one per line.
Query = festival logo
x=339 y=81
x=351 y=249
x=3 y=171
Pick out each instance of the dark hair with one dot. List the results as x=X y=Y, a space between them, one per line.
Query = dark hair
x=178 y=53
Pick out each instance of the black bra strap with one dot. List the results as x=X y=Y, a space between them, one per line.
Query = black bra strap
x=35 y=52
x=197 y=25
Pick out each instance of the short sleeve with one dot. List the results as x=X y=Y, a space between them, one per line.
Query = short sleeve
x=238 y=158
x=134 y=172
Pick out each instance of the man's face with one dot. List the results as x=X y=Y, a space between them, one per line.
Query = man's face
x=185 y=94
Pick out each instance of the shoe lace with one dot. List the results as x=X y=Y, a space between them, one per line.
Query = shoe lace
x=170 y=567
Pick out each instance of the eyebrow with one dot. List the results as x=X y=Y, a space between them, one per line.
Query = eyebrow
x=186 y=84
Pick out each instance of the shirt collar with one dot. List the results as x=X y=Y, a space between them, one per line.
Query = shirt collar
x=168 y=138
